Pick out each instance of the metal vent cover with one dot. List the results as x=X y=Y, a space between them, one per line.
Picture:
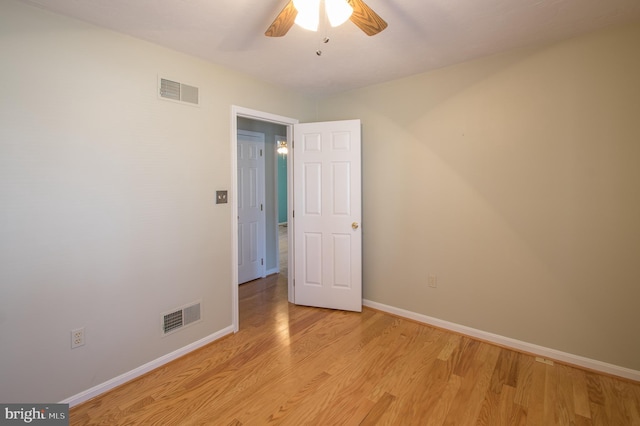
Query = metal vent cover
x=172 y=321
x=191 y=314
x=180 y=317
x=177 y=91
x=189 y=94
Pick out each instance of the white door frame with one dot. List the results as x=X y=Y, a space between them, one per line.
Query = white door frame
x=237 y=111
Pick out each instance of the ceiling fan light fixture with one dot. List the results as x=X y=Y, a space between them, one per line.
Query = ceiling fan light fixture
x=308 y=14
x=338 y=11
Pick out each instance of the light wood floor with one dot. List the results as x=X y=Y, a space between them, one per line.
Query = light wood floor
x=297 y=365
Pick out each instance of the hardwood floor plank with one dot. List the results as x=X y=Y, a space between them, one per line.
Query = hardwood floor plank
x=595 y=389
x=413 y=377
x=452 y=344
x=284 y=373
x=599 y=415
x=378 y=410
x=426 y=344
x=631 y=402
x=315 y=358
x=488 y=414
x=415 y=405
x=468 y=402
x=317 y=361
x=511 y=413
x=469 y=348
x=295 y=365
x=500 y=409
x=437 y=415
x=614 y=406
x=308 y=388
x=506 y=372
x=450 y=357
x=550 y=415
x=535 y=407
x=354 y=376
x=580 y=393
x=355 y=415
x=524 y=380
x=583 y=421
x=564 y=402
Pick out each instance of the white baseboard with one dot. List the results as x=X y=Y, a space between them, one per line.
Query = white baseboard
x=518 y=345
x=143 y=369
x=272 y=271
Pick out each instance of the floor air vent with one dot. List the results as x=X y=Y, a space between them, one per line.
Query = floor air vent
x=178 y=91
x=181 y=317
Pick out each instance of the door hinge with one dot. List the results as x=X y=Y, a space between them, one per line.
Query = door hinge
x=260 y=206
x=262 y=261
x=293 y=213
x=260 y=152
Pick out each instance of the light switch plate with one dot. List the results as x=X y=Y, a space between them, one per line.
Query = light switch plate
x=221 y=197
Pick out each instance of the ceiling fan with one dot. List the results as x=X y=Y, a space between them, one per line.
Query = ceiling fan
x=363 y=16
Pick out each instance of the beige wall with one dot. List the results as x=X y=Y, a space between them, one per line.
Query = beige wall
x=516 y=180
x=107 y=214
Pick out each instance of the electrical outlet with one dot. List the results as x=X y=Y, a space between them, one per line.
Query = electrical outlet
x=77 y=337
x=433 y=281
x=221 y=197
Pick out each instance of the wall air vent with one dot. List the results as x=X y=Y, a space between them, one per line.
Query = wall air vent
x=179 y=92
x=191 y=314
x=180 y=317
x=172 y=321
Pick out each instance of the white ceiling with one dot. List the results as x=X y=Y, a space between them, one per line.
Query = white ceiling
x=422 y=34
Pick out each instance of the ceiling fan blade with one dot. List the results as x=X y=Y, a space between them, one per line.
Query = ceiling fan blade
x=283 y=22
x=365 y=18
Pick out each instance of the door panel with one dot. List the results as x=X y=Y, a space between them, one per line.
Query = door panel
x=251 y=215
x=312 y=189
x=327 y=201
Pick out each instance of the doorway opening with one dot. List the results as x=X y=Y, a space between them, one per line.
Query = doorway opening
x=240 y=116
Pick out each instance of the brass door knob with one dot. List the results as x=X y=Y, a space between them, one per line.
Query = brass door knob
x=355 y=225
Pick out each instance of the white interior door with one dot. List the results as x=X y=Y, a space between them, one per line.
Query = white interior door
x=251 y=214
x=327 y=215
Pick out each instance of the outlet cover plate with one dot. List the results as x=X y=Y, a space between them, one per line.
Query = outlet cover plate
x=221 y=197
x=433 y=281
x=77 y=337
